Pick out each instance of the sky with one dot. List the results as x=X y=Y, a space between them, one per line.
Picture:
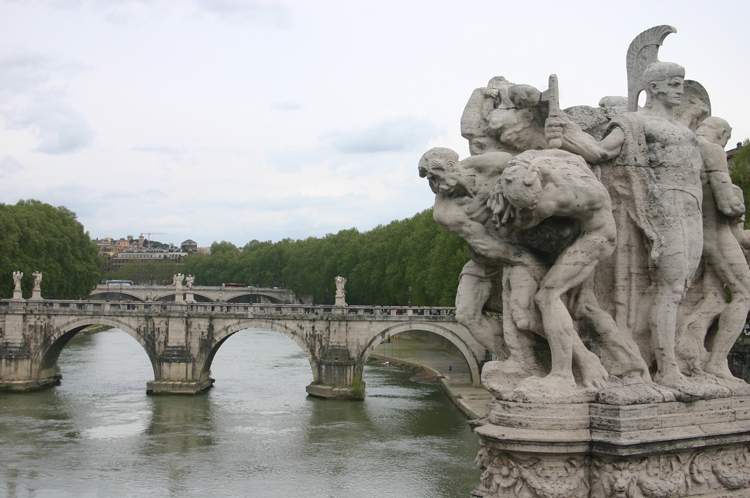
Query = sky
x=239 y=120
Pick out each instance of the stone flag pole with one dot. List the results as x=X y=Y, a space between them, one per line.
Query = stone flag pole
x=605 y=236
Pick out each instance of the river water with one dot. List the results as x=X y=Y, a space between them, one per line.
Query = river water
x=255 y=434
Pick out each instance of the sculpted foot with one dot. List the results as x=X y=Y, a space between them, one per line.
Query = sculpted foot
x=692 y=390
x=594 y=376
x=720 y=370
x=593 y=373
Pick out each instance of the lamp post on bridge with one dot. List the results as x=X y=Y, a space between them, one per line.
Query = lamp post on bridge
x=410 y=296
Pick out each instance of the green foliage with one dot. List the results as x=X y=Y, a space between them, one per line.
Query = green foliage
x=380 y=265
x=739 y=170
x=142 y=272
x=40 y=237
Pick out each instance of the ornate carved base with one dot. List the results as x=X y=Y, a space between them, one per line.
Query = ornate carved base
x=665 y=450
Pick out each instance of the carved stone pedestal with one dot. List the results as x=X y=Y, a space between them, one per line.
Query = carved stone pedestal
x=664 y=450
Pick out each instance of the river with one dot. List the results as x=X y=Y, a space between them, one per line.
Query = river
x=255 y=434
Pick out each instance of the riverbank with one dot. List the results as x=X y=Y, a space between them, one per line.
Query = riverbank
x=434 y=364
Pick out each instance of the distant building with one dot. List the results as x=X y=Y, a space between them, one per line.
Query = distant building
x=733 y=152
x=145 y=256
x=189 y=246
x=122 y=251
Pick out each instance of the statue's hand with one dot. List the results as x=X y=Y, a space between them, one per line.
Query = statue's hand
x=490 y=92
x=732 y=207
x=553 y=128
x=496 y=202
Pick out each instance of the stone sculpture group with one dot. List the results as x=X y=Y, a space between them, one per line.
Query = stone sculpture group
x=605 y=237
x=591 y=236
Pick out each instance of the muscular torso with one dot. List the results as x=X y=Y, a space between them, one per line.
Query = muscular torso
x=673 y=155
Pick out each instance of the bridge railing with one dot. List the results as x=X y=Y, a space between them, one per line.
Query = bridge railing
x=225 y=308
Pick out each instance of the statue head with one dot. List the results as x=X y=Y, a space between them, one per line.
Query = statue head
x=518 y=121
x=440 y=166
x=664 y=82
x=715 y=130
x=521 y=184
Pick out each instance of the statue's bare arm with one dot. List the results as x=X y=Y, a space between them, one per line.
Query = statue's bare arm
x=487 y=244
x=489 y=164
x=577 y=141
x=715 y=164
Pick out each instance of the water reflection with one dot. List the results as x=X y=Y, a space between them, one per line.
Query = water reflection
x=255 y=434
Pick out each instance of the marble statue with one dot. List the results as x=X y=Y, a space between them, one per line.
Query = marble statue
x=37 y=280
x=599 y=239
x=17 y=276
x=340 y=291
x=662 y=163
x=605 y=238
x=189 y=282
x=462 y=190
x=539 y=185
x=178 y=282
x=723 y=260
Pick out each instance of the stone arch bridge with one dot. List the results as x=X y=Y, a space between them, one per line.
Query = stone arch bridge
x=200 y=293
x=181 y=339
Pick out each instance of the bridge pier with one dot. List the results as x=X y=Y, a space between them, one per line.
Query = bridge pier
x=338 y=379
x=177 y=367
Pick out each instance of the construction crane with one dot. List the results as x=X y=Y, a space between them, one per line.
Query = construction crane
x=150 y=234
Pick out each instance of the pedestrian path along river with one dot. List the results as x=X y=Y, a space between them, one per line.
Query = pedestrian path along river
x=450 y=370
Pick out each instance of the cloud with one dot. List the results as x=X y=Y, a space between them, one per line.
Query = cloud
x=61 y=128
x=23 y=72
x=160 y=149
x=286 y=106
x=9 y=165
x=237 y=11
x=33 y=96
x=392 y=135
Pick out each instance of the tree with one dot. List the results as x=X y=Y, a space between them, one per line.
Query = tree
x=739 y=170
x=40 y=237
x=380 y=265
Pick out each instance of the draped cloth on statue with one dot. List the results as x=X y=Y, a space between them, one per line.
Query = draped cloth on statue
x=637 y=187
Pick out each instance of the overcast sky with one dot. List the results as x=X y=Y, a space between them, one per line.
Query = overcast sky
x=239 y=120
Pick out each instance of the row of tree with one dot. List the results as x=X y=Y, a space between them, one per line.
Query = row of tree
x=739 y=169
x=413 y=259
x=35 y=236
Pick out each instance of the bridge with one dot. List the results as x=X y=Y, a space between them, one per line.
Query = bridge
x=181 y=339
x=200 y=293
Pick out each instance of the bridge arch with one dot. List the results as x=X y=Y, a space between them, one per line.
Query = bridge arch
x=221 y=335
x=115 y=295
x=62 y=334
x=247 y=297
x=452 y=337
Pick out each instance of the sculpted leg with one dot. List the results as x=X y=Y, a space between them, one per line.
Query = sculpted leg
x=733 y=270
x=471 y=296
x=682 y=246
x=526 y=316
x=624 y=352
x=572 y=268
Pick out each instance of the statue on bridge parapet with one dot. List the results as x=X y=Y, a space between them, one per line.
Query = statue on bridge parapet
x=17 y=293
x=340 y=291
x=36 y=293
x=189 y=298
x=178 y=298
